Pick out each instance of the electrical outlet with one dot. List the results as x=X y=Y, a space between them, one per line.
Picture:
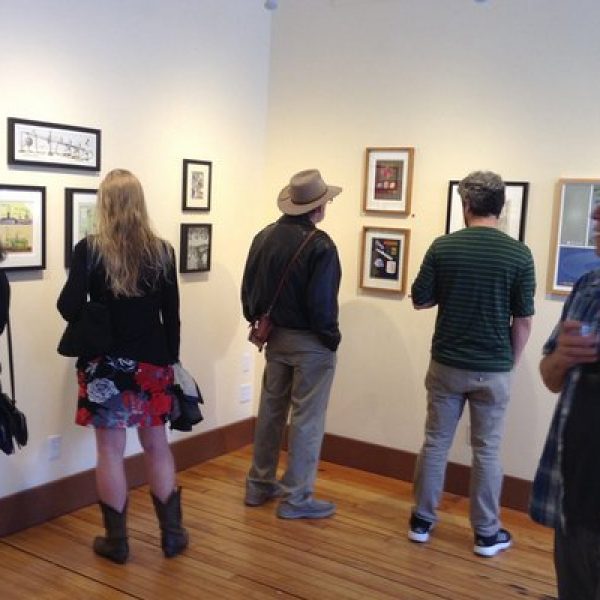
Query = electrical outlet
x=245 y=392
x=54 y=446
x=246 y=363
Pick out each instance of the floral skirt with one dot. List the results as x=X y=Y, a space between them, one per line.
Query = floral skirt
x=116 y=393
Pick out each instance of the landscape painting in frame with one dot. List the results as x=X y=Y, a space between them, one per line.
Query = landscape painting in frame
x=80 y=218
x=37 y=143
x=573 y=247
x=388 y=180
x=512 y=217
x=22 y=226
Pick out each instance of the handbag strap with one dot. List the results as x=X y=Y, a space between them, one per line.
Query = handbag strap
x=288 y=267
x=11 y=368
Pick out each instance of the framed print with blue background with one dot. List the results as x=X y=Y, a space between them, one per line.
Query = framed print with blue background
x=512 y=217
x=573 y=249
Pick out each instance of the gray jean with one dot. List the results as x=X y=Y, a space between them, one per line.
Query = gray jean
x=447 y=391
x=296 y=381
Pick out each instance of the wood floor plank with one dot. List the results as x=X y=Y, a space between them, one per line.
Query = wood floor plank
x=240 y=552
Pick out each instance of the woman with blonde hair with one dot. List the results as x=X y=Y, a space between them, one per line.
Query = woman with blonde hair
x=132 y=271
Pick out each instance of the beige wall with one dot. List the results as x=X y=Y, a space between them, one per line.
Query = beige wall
x=163 y=81
x=504 y=85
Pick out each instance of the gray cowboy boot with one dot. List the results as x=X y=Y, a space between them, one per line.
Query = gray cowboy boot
x=174 y=538
x=114 y=545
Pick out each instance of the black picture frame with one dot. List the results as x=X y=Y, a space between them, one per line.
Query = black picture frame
x=512 y=219
x=23 y=227
x=78 y=202
x=54 y=145
x=197 y=185
x=195 y=247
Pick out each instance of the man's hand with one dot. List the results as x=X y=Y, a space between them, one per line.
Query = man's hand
x=572 y=349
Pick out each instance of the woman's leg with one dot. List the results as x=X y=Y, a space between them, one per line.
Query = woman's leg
x=158 y=458
x=110 y=472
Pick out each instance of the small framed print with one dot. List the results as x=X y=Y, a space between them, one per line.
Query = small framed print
x=512 y=217
x=388 y=180
x=37 y=143
x=384 y=259
x=195 y=247
x=197 y=184
x=23 y=227
x=80 y=218
x=573 y=246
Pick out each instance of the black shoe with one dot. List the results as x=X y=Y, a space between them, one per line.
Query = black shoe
x=490 y=545
x=419 y=529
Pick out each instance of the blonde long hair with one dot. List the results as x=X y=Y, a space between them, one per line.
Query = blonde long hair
x=130 y=250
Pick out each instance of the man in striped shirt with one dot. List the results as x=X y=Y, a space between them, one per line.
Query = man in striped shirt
x=483 y=284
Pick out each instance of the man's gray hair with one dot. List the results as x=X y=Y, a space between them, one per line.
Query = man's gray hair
x=483 y=193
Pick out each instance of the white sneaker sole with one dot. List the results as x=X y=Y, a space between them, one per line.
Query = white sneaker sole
x=491 y=550
x=420 y=538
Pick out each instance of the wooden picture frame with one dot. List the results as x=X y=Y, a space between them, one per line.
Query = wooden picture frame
x=80 y=218
x=388 y=180
x=384 y=259
x=42 y=144
x=573 y=247
x=195 y=247
x=197 y=185
x=513 y=216
x=23 y=227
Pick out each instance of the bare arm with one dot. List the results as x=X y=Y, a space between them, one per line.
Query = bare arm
x=519 y=334
x=571 y=349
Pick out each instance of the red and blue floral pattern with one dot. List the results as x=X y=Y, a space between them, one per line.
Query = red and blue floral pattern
x=117 y=393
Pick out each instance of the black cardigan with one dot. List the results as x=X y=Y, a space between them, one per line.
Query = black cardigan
x=145 y=328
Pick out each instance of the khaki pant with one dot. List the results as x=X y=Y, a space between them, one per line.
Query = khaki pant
x=447 y=391
x=296 y=381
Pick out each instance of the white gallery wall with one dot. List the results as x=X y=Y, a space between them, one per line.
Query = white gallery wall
x=506 y=85
x=164 y=81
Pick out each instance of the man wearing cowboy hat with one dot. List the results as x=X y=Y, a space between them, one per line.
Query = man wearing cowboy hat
x=300 y=352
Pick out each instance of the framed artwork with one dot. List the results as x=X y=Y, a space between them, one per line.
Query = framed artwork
x=384 y=259
x=23 y=226
x=36 y=143
x=80 y=218
x=195 y=247
x=197 y=176
x=512 y=217
x=573 y=249
x=388 y=180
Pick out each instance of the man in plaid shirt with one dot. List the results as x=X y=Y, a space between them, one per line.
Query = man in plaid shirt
x=566 y=488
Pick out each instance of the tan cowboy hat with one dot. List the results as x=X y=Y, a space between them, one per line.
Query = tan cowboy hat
x=306 y=191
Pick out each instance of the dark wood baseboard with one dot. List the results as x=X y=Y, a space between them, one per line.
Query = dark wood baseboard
x=400 y=464
x=39 y=504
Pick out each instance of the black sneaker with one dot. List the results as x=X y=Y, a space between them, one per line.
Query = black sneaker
x=419 y=529
x=490 y=545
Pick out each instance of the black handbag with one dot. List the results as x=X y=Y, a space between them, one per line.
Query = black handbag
x=185 y=409
x=13 y=424
x=91 y=334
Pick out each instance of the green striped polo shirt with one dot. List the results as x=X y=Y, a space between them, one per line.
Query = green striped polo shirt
x=479 y=277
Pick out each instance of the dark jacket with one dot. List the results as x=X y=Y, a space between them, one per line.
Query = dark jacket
x=145 y=328
x=308 y=300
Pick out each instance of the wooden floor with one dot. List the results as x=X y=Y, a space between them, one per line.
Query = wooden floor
x=238 y=552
